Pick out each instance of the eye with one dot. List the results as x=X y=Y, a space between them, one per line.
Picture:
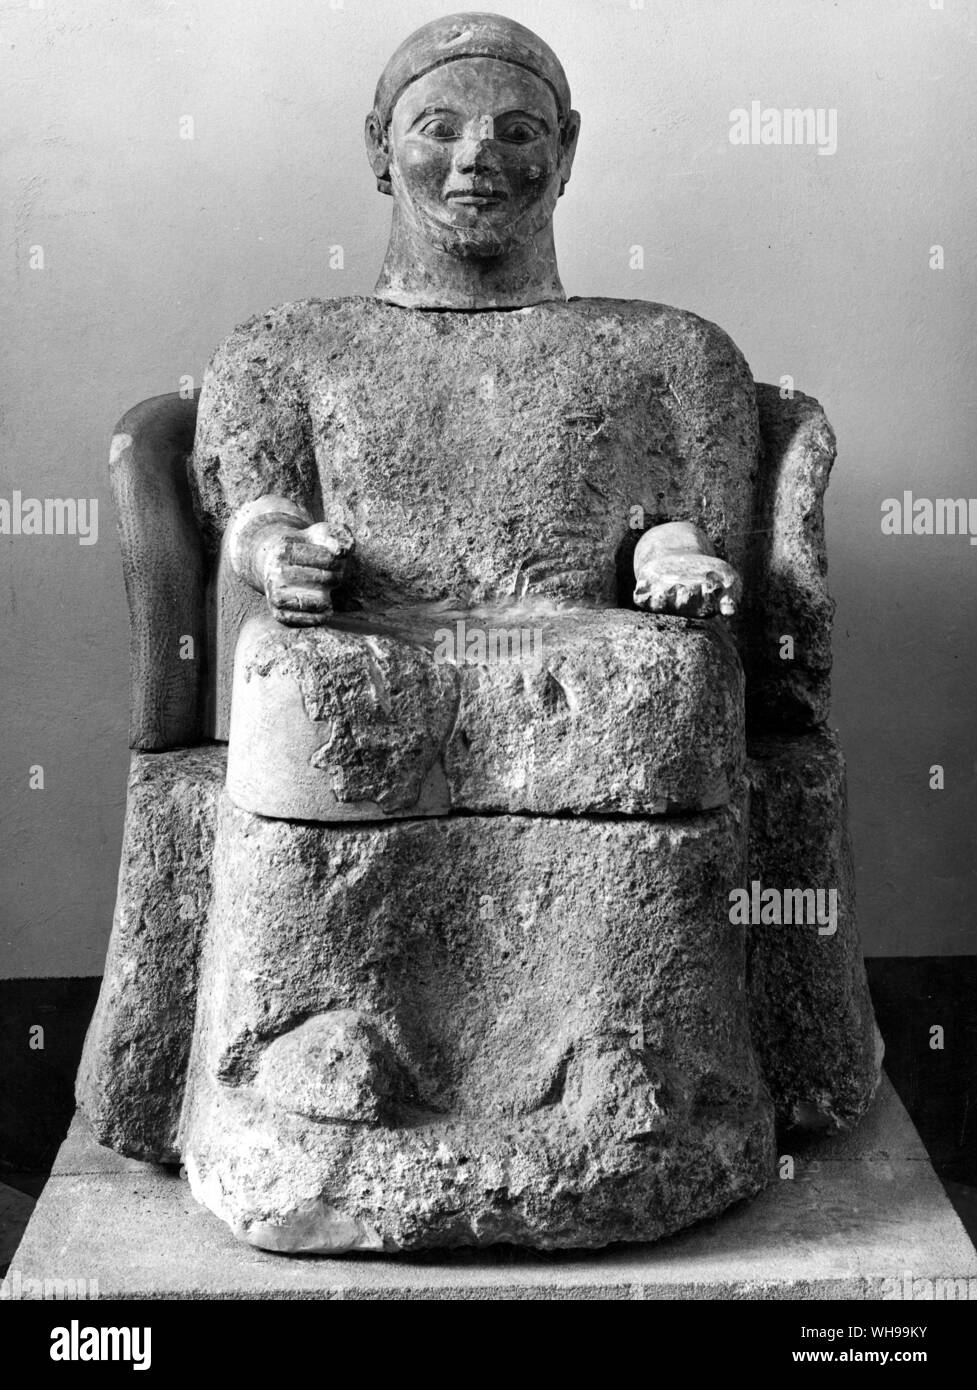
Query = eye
x=440 y=129
x=518 y=133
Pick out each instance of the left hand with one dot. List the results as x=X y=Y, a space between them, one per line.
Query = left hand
x=687 y=584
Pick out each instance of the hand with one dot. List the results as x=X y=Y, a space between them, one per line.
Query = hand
x=299 y=569
x=687 y=584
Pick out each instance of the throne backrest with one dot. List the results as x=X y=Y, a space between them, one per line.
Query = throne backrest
x=186 y=606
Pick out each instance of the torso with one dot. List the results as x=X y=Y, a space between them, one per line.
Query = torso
x=509 y=454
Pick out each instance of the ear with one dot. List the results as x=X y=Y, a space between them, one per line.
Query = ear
x=569 y=136
x=377 y=151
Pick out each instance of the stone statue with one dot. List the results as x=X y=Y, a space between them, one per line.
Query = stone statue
x=486 y=873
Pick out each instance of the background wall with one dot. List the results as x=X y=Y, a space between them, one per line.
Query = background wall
x=155 y=246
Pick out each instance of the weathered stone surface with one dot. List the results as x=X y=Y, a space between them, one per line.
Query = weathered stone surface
x=811 y=1019
x=326 y=725
x=336 y=1066
x=477 y=457
x=786 y=593
x=130 y=1083
x=520 y=709
x=566 y=1056
x=651 y=416
x=786 y=579
x=811 y=1015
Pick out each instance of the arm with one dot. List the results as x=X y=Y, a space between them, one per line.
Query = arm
x=676 y=572
x=254 y=469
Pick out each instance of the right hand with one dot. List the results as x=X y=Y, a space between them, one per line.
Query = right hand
x=299 y=569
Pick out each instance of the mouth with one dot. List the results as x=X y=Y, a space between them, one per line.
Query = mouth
x=469 y=198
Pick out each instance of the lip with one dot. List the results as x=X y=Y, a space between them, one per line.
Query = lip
x=470 y=199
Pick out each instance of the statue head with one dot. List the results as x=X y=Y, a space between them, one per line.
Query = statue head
x=473 y=135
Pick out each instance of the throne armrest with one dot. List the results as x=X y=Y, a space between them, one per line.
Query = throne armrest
x=789 y=684
x=165 y=568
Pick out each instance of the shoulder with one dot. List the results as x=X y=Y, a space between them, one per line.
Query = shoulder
x=671 y=336
x=278 y=340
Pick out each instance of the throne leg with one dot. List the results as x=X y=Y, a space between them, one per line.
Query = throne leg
x=811 y=1014
x=130 y=1082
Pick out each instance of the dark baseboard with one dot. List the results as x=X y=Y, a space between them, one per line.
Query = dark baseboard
x=912 y=996
x=938 y=1086
x=37 y=1084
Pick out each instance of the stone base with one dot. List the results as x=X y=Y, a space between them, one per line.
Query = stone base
x=473 y=1030
x=863 y=1217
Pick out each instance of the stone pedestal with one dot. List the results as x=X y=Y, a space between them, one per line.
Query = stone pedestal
x=864 y=1217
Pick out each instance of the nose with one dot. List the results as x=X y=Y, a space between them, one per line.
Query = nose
x=474 y=153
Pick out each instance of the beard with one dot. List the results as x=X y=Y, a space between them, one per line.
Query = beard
x=479 y=239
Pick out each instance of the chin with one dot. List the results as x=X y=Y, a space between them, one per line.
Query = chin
x=481 y=242
x=473 y=239
x=479 y=238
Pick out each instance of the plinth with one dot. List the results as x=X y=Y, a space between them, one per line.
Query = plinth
x=863 y=1217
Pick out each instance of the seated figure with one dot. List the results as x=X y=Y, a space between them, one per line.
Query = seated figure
x=486 y=593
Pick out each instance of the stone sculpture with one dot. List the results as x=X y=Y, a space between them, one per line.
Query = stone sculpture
x=424 y=932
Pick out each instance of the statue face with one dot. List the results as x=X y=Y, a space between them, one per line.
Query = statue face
x=477 y=157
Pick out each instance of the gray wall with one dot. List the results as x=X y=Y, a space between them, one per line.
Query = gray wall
x=818 y=265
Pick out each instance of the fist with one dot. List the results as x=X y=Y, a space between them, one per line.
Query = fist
x=687 y=584
x=299 y=570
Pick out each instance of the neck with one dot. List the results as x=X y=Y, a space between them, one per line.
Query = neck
x=418 y=275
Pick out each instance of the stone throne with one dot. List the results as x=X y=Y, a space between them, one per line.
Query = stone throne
x=422 y=951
